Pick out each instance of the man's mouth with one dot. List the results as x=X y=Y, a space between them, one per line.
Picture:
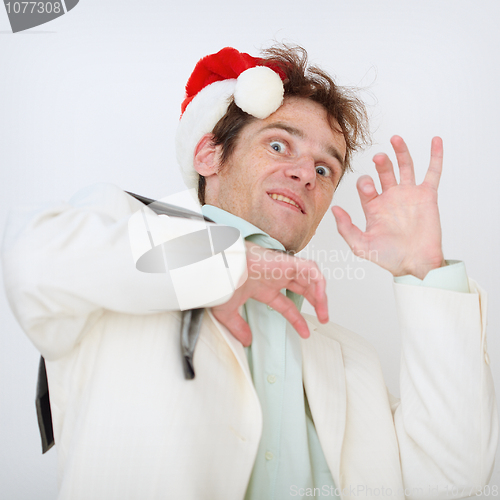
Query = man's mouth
x=285 y=199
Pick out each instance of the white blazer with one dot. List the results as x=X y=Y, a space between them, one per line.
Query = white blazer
x=128 y=426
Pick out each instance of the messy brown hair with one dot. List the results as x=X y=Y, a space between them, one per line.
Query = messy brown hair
x=310 y=82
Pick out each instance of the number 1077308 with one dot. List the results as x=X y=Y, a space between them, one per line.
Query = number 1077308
x=485 y=491
x=33 y=7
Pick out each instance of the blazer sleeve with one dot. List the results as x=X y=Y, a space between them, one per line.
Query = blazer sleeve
x=66 y=263
x=446 y=420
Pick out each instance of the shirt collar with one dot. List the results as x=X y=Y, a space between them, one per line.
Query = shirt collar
x=248 y=231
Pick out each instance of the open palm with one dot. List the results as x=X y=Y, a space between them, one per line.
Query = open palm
x=403 y=229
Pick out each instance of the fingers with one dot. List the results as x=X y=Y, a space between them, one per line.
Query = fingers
x=315 y=294
x=405 y=163
x=304 y=278
x=321 y=306
x=353 y=236
x=433 y=174
x=240 y=329
x=236 y=325
x=385 y=171
x=269 y=273
x=275 y=271
x=287 y=308
x=367 y=191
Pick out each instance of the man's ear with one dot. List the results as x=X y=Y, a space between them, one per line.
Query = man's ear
x=206 y=156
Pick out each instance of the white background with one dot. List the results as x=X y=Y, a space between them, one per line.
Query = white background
x=95 y=96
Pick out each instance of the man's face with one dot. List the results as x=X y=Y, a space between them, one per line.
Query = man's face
x=283 y=172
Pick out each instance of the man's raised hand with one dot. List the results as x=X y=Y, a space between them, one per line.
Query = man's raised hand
x=403 y=229
x=269 y=272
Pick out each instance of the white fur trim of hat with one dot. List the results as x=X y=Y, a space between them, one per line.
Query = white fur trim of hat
x=257 y=90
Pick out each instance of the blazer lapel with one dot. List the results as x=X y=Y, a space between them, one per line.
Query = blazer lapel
x=236 y=348
x=325 y=386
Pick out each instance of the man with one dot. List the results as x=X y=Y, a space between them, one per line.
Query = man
x=266 y=143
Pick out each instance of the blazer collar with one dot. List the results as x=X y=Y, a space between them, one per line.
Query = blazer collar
x=236 y=348
x=324 y=383
x=325 y=386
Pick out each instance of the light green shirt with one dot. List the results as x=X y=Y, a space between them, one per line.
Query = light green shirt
x=451 y=277
x=290 y=460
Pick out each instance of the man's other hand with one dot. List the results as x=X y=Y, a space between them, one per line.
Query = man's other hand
x=403 y=230
x=269 y=272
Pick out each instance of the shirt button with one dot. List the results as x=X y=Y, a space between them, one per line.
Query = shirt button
x=271 y=379
x=270 y=308
x=269 y=455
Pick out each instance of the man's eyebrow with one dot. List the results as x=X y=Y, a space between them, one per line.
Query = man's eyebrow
x=288 y=128
x=330 y=150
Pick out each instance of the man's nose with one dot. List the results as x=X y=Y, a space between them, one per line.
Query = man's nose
x=303 y=170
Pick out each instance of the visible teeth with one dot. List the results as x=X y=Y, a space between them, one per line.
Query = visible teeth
x=280 y=197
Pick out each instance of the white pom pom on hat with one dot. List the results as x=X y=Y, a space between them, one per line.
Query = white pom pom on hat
x=257 y=90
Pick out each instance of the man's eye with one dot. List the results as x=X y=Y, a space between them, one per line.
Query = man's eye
x=278 y=146
x=323 y=171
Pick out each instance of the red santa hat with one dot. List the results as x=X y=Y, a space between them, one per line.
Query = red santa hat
x=256 y=88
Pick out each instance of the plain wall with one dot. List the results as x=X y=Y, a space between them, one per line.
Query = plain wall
x=95 y=96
